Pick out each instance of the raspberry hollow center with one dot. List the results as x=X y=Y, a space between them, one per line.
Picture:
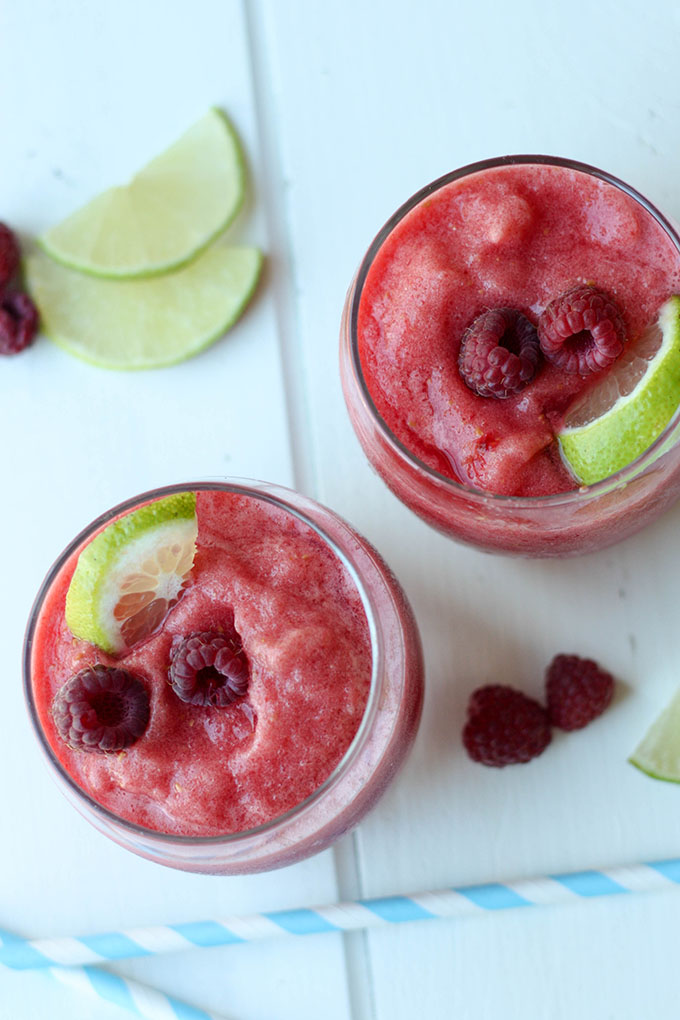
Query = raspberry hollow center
x=109 y=707
x=208 y=680
x=579 y=342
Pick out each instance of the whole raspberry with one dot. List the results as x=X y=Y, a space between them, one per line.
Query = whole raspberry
x=101 y=709
x=18 y=323
x=504 y=726
x=499 y=353
x=577 y=691
x=582 y=331
x=9 y=255
x=209 y=669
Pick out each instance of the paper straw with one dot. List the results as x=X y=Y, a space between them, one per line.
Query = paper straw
x=139 y=999
x=369 y=913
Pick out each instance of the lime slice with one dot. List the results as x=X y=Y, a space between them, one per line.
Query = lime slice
x=622 y=415
x=144 y=323
x=169 y=212
x=658 y=754
x=132 y=573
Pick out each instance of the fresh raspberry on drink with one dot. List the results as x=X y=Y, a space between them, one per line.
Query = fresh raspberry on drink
x=577 y=691
x=504 y=726
x=582 y=331
x=209 y=669
x=101 y=708
x=499 y=353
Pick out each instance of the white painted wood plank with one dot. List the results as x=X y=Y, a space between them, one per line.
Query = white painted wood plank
x=372 y=102
x=608 y=958
x=90 y=92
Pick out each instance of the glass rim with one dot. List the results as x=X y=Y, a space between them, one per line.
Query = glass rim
x=276 y=495
x=581 y=493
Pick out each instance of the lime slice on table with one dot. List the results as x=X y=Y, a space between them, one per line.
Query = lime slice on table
x=658 y=754
x=622 y=415
x=132 y=573
x=132 y=324
x=169 y=212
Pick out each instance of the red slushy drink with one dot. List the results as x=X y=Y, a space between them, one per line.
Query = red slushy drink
x=206 y=667
x=487 y=309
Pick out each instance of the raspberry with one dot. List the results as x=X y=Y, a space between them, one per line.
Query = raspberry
x=582 y=331
x=577 y=691
x=499 y=353
x=9 y=255
x=504 y=726
x=209 y=669
x=101 y=709
x=18 y=323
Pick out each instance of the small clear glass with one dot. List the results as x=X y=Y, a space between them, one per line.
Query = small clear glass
x=386 y=732
x=580 y=521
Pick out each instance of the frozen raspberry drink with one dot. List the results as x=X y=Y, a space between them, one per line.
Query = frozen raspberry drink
x=224 y=677
x=490 y=308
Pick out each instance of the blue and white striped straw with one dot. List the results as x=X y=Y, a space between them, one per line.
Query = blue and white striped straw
x=370 y=913
x=139 y=999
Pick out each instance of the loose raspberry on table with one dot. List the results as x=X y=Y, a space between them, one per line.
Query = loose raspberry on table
x=504 y=726
x=582 y=331
x=209 y=669
x=577 y=690
x=499 y=353
x=18 y=322
x=101 y=708
x=9 y=255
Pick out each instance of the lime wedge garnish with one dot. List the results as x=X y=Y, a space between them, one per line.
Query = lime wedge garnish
x=132 y=573
x=144 y=323
x=169 y=212
x=622 y=415
x=658 y=754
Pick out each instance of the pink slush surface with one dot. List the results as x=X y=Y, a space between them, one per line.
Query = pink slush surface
x=514 y=236
x=205 y=771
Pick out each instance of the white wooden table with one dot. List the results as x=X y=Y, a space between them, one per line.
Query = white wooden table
x=345 y=108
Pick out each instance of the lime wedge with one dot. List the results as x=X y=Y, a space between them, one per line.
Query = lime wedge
x=658 y=754
x=169 y=212
x=622 y=415
x=131 y=324
x=132 y=573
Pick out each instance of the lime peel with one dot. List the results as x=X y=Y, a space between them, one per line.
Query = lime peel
x=596 y=448
x=146 y=555
x=658 y=753
x=171 y=210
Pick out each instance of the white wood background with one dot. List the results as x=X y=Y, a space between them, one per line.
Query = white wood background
x=345 y=107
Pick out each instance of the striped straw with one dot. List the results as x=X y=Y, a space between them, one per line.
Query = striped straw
x=370 y=913
x=139 y=999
